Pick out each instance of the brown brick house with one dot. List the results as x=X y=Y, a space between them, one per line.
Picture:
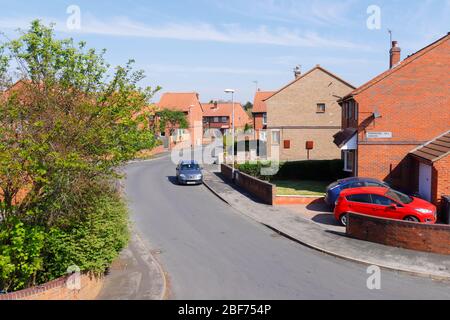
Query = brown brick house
x=189 y=104
x=259 y=113
x=391 y=122
x=219 y=115
x=303 y=116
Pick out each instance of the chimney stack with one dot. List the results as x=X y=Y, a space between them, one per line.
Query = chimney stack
x=395 y=55
x=297 y=72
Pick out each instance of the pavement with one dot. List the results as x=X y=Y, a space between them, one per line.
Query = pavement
x=315 y=228
x=209 y=250
x=135 y=275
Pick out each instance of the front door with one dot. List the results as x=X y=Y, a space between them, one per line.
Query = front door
x=425 y=173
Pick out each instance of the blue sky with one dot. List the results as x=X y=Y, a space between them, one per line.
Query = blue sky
x=209 y=45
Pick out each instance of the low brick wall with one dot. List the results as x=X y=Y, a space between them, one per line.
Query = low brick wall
x=295 y=200
x=401 y=234
x=153 y=152
x=58 y=289
x=226 y=171
x=263 y=190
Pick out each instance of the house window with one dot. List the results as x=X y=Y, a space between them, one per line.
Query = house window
x=216 y=119
x=321 y=108
x=264 y=122
x=287 y=144
x=276 y=137
x=224 y=119
x=349 y=160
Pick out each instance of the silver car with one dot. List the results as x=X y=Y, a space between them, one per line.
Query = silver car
x=189 y=172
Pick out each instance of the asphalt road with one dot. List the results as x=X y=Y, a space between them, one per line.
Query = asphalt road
x=210 y=251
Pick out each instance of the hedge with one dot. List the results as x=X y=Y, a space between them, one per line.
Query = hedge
x=319 y=170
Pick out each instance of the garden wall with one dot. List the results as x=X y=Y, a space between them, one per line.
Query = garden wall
x=263 y=190
x=401 y=234
x=58 y=289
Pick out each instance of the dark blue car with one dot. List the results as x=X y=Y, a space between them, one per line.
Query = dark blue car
x=334 y=189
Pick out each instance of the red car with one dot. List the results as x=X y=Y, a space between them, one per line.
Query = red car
x=384 y=203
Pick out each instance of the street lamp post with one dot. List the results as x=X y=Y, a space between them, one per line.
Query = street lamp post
x=232 y=91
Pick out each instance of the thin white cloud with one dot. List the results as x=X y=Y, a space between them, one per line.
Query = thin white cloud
x=124 y=27
x=317 y=12
x=168 y=68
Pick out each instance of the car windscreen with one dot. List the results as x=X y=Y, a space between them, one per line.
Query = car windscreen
x=399 y=197
x=185 y=167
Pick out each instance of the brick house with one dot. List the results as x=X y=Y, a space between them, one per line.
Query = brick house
x=189 y=104
x=259 y=113
x=395 y=127
x=303 y=116
x=219 y=115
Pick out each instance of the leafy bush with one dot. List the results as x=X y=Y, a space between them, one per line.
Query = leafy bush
x=320 y=170
x=20 y=254
x=92 y=245
x=254 y=169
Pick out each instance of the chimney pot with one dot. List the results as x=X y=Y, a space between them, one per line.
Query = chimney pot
x=297 y=72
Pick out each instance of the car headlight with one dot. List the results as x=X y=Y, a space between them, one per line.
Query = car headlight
x=424 y=211
x=183 y=176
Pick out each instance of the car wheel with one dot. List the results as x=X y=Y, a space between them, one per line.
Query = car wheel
x=343 y=220
x=411 y=219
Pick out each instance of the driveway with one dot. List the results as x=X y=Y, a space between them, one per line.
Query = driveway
x=210 y=251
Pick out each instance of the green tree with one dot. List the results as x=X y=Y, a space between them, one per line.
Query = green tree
x=172 y=120
x=65 y=127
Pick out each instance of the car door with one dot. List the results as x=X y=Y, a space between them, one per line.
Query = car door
x=385 y=207
x=359 y=203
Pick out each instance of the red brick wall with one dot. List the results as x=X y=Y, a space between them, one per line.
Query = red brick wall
x=443 y=179
x=401 y=234
x=258 y=124
x=387 y=163
x=263 y=190
x=58 y=290
x=226 y=171
x=414 y=103
x=258 y=121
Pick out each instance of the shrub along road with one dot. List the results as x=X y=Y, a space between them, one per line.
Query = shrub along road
x=211 y=252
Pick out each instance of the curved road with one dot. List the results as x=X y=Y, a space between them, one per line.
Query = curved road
x=212 y=252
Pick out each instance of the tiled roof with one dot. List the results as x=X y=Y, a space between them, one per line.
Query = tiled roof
x=259 y=105
x=178 y=101
x=221 y=109
x=317 y=67
x=401 y=65
x=434 y=150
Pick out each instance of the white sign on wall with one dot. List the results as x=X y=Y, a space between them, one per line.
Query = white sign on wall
x=379 y=135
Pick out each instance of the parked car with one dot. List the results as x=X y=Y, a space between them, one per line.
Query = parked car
x=384 y=203
x=334 y=189
x=189 y=172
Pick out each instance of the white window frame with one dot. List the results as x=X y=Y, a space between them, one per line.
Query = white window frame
x=279 y=137
x=347 y=153
x=264 y=119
